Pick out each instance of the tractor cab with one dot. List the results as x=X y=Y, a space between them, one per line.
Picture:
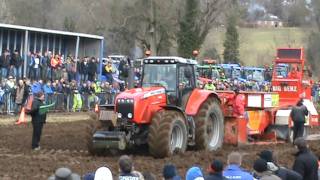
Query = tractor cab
x=289 y=76
x=232 y=71
x=176 y=75
x=254 y=73
x=209 y=71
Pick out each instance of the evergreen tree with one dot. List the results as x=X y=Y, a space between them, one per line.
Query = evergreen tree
x=231 y=43
x=187 y=36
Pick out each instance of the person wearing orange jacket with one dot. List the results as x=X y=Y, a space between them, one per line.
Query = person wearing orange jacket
x=239 y=104
x=55 y=63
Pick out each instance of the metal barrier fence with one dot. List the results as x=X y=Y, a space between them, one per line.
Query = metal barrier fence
x=63 y=102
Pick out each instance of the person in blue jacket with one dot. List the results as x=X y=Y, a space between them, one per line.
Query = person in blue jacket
x=234 y=170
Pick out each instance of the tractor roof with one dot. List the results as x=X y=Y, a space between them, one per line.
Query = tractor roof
x=168 y=59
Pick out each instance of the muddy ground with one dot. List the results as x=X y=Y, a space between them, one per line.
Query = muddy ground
x=63 y=144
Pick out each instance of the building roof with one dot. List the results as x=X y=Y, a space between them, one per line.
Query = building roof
x=67 y=33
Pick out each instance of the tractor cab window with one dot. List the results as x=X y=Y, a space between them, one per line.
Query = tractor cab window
x=160 y=75
x=290 y=70
x=281 y=70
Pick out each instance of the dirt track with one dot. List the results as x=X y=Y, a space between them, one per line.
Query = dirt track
x=63 y=144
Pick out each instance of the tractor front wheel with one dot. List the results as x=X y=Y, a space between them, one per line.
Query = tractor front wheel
x=167 y=134
x=209 y=125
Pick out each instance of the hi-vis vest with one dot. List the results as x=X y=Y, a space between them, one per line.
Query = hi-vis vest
x=108 y=69
x=209 y=87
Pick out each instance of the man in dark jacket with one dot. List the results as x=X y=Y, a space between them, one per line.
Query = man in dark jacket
x=83 y=70
x=306 y=163
x=92 y=69
x=298 y=114
x=5 y=63
x=283 y=173
x=37 y=119
x=215 y=171
x=16 y=62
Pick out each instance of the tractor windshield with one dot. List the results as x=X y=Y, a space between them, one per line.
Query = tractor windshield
x=289 y=70
x=160 y=75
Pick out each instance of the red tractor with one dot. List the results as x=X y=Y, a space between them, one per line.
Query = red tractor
x=168 y=112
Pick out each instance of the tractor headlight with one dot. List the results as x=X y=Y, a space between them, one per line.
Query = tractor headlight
x=129 y=115
x=119 y=115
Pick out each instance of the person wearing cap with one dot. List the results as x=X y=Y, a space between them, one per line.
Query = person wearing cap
x=283 y=173
x=215 y=171
x=298 y=115
x=194 y=173
x=234 y=170
x=260 y=167
x=126 y=169
x=64 y=174
x=306 y=163
x=209 y=86
x=169 y=172
x=37 y=119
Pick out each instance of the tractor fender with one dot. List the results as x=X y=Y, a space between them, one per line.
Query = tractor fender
x=197 y=98
x=174 y=108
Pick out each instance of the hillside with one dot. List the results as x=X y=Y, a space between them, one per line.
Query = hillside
x=257 y=46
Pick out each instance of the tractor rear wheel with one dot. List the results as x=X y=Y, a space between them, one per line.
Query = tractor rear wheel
x=167 y=134
x=209 y=125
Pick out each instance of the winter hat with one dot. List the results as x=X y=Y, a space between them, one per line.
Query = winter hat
x=266 y=155
x=169 y=171
x=194 y=173
x=103 y=173
x=260 y=165
x=64 y=174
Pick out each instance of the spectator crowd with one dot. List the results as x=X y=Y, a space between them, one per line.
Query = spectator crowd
x=72 y=84
x=265 y=167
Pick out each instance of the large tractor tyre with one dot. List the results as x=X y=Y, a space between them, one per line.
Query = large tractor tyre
x=209 y=126
x=167 y=134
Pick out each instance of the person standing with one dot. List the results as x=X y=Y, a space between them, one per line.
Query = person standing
x=239 y=104
x=83 y=70
x=306 y=163
x=298 y=115
x=38 y=119
x=17 y=62
x=5 y=64
x=20 y=93
x=92 y=69
x=44 y=61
